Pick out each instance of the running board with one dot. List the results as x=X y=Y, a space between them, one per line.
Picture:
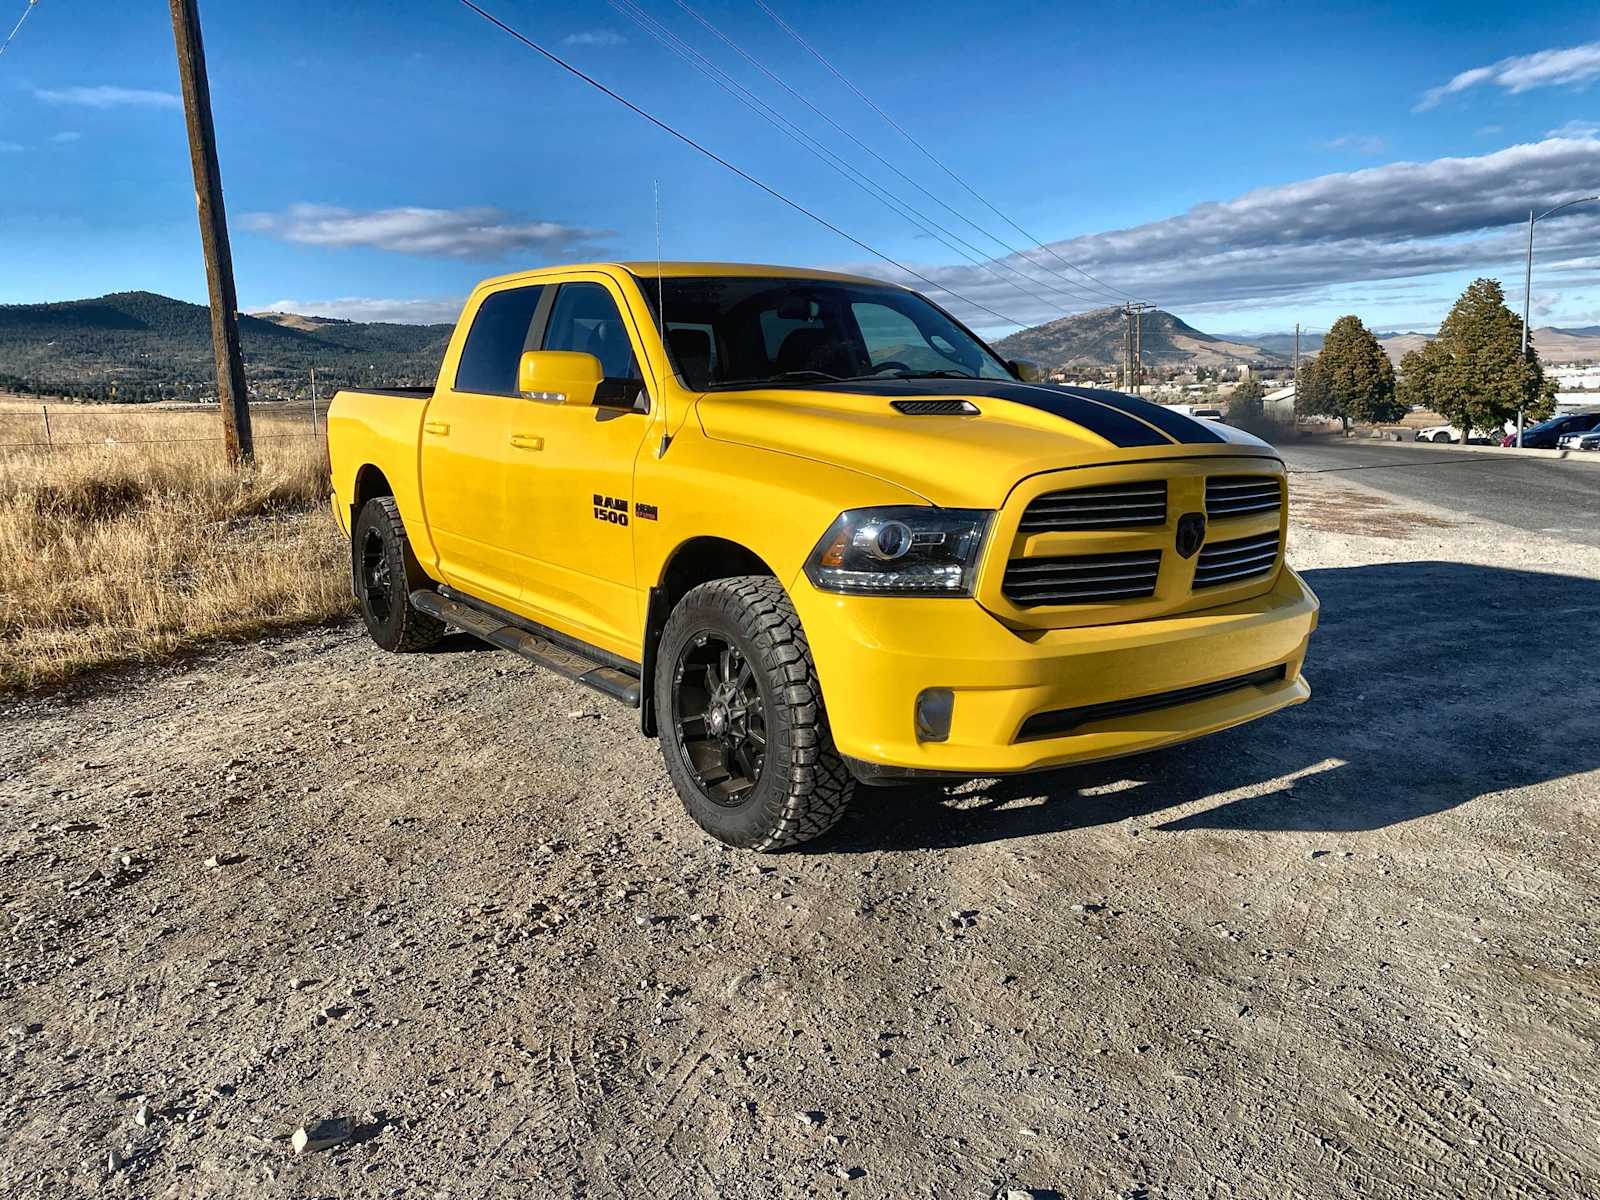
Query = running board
x=564 y=662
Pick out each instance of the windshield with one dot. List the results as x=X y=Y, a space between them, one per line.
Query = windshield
x=733 y=331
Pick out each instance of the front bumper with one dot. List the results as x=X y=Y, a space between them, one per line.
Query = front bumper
x=875 y=655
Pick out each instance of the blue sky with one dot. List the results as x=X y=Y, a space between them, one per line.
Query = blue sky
x=1247 y=165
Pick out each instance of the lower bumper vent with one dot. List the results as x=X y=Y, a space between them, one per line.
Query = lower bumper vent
x=1064 y=720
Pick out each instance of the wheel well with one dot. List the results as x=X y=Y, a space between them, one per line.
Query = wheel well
x=697 y=561
x=370 y=484
x=703 y=559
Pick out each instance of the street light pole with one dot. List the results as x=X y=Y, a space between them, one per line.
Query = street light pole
x=1527 y=287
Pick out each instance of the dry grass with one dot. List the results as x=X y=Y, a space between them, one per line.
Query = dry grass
x=122 y=552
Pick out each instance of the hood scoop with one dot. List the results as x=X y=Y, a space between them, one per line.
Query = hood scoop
x=935 y=408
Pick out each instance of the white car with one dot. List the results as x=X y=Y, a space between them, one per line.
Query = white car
x=1589 y=440
x=1452 y=433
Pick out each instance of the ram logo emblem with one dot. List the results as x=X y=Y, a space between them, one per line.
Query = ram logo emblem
x=1191 y=533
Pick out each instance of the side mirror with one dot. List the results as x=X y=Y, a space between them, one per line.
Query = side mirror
x=559 y=376
x=1026 y=371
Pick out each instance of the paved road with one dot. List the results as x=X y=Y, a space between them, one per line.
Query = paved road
x=1541 y=495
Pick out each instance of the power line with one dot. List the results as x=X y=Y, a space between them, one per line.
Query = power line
x=6 y=45
x=1088 y=294
x=720 y=161
x=842 y=166
x=870 y=103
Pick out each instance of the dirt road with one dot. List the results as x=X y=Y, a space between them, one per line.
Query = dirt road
x=1350 y=950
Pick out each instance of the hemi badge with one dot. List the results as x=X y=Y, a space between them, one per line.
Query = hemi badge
x=645 y=512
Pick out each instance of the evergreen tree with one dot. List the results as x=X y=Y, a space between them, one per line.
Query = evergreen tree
x=1474 y=373
x=1244 y=405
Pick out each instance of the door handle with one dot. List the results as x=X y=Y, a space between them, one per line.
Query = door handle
x=527 y=441
x=441 y=428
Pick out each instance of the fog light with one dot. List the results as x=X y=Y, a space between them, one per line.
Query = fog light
x=934 y=706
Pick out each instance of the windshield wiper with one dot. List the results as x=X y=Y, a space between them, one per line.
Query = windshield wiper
x=912 y=375
x=782 y=377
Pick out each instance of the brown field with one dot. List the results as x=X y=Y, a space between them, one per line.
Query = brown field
x=131 y=538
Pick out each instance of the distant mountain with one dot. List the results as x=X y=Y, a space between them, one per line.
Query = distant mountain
x=134 y=346
x=1282 y=344
x=1094 y=339
x=1554 y=345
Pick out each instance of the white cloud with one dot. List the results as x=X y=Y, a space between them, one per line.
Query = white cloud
x=594 y=37
x=1302 y=240
x=422 y=311
x=66 y=137
x=1359 y=143
x=1571 y=67
x=109 y=97
x=1576 y=129
x=472 y=233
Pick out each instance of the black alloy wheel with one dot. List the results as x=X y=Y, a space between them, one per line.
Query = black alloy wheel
x=720 y=717
x=377 y=580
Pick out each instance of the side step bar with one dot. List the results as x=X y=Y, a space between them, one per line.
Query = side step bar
x=564 y=662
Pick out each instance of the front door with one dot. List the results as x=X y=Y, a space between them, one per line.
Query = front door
x=575 y=494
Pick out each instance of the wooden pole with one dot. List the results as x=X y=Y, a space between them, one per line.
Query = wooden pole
x=232 y=397
x=45 y=409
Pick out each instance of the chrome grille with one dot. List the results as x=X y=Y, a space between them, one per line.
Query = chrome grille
x=1081 y=578
x=1239 y=495
x=1117 y=506
x=1229 y=562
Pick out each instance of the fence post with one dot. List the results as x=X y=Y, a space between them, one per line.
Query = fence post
x=313 y=402
x=45 y=409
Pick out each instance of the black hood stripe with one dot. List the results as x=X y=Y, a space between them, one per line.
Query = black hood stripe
x=1179 y=426
x=1105 y=420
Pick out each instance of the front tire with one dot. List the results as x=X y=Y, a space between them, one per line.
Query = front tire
x=384 y=571
x=743 y=730
x=1443 y=437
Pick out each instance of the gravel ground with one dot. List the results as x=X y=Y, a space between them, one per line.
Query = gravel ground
x=453 y=902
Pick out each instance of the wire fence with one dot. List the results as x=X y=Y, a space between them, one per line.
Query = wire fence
x=47 y=428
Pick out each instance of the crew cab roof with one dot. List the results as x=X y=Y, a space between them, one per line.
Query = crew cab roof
x=674 y=270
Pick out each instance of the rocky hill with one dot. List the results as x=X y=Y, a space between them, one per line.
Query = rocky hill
x=134 y=346
x=1094 y=339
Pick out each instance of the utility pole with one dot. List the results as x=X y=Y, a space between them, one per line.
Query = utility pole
x=1527 y=288
x=1133 y=345
x=232 y=397
x=1138 y=351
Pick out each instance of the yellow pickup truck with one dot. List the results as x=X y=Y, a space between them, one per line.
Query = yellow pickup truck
x=819 y=534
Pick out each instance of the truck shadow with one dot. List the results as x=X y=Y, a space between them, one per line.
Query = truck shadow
x=1433 y=683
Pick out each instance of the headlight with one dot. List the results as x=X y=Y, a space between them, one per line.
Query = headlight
x=900 y=551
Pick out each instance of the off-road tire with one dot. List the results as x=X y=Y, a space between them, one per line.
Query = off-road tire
x=391 y=620
x=803 y=786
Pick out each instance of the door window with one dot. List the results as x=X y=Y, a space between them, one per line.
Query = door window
x=585 y=319
x=495 y=343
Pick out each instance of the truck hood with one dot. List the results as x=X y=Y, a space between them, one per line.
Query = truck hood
x=1006 y=431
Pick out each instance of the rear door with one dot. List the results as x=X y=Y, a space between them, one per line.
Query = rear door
x=469 y=461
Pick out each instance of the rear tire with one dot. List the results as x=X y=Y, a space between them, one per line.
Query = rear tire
x=384 y=571
x=743 y=730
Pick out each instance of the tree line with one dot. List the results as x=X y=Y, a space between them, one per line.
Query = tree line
x=1474 y=374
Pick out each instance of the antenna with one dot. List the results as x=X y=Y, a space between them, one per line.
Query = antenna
x=661 y=315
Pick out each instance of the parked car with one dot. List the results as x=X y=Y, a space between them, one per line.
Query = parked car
x=817 y=534
x=1588 y=440
x=1547 y=435
x=1452 y=433
x=1206 y=414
